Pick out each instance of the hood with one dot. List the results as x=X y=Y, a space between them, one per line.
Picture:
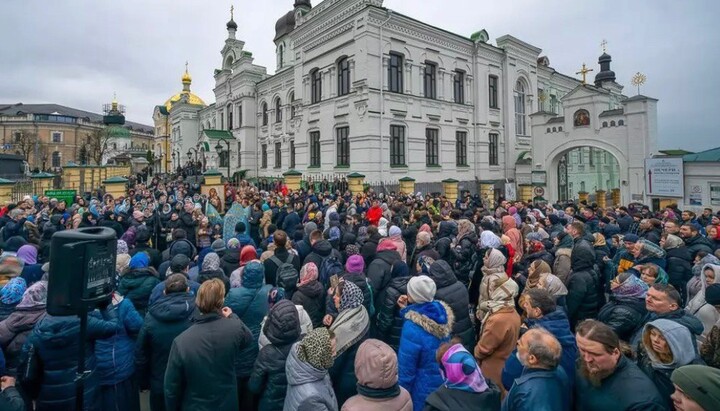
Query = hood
x=435 y=317
x=447 y=229
x=58 y=331
x=389 y=256
x=247 y=254
x=312 y=289
x=282 y=326
x=376 y=365
x=299 y=372
x=679 y=340
x=182 y=247
x=582 y=258
x=443 y=275
x=231 y=258
x=322 y=248
x=253 y=275
x=716 y=270
x=386 y=245
x=508 y=222
x=558 y=324
x=173 y=307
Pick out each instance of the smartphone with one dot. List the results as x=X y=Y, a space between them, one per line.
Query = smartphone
x=334 y=281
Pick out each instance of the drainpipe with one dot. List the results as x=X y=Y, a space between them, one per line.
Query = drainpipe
x=475 y=108
x=382 y=98
x=257 y=167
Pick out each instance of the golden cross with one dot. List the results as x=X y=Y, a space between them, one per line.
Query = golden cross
x=603 y=44
x=584 y=72
x=186 y=66
x=232 y=8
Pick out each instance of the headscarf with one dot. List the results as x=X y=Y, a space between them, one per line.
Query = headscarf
x=139 y=260
x=632 y=287
x=599 y=240
x=362 y=234
x=351 y=250
x=28 y=254
x=275 y=295
x=129 y=237
x=315 y=349
x=13 y=291
x=650 y=250
x=541 y=268
x=425 y=263
x=488 y=239
x=247 y=254
x=34 y=296
x=122 y=247
x=122 y=262
x=382 y=227
x=496 y=259
x=425 y=229
x=211 y=262
x=503 y=296
x=351 y=297
x=465 y=227
x=673 y=241
x=233 y=244
x=460 y=370
x=308 y=274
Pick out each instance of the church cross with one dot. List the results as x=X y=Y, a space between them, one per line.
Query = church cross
x=232 y=8
x=603 y=44
x=583 y=72
x=186 y=66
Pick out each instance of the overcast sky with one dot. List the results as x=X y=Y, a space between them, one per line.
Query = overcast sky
x=78 y=52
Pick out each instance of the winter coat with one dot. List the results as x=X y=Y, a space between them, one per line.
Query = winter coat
x=379 y=272
x=540 y=389
x=206 y=275
x=426 y=326
x=14 y=331
x=455 y=294
x=230 y=262
x=626 y=389
x=116 y=354
x=465 y=258
x=361 y=281
x=697 y=244
x=699 y=307
x=249 y=303
x=448 y=399
x=308 y=387
x=583 y=285
x=167 y=318
x=389 y=322
x=652 y=235
x=558 y=325
x=153 y=253
x=679 y=268
x=369 y=248
x=137 y=286
x=624 y=315
x=497 y=341
x=427 y=250
x=290 y=222
x=583 y=255
x=561 y=265
x=268 y=379
x=342 y=373
x=710 y=348
x=311 y=297
x=271 y=267
x=56 y=343
x=320 y=251
x=200 y=374
x=376 y=369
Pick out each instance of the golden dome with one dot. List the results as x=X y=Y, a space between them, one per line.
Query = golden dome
x=186 y=78
x=191 y=98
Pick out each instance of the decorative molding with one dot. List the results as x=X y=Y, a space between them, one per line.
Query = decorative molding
x=309 y=31
x=330 y=35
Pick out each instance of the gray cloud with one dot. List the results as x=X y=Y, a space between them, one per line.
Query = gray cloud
x=77 y=53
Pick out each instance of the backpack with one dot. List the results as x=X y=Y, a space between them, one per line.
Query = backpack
x=286 y=275
x=329 y=267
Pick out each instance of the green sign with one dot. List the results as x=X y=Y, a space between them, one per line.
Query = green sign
x=67 y=195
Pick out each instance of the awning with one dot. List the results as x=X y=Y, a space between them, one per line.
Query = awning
x=218 y=134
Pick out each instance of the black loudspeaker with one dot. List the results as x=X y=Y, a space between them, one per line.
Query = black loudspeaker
x=82 y=269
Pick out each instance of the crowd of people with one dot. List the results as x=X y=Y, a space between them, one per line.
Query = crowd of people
x=265 y=298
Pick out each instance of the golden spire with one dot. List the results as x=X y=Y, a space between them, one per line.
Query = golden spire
x=584 y=72
x=114 y=102
x=186 y=78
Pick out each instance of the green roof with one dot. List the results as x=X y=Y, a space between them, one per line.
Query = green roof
x=116 y=179
x=118 y=132
x=42 y=175
x=407 y=179
x=709 y=156
x=675 y=152
x=218 y=134
x=292 y=173
x=355 y=175
x=212 y=172
x=4 y=181
x=450 y=181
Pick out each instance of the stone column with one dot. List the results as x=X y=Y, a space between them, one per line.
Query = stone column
x=356 y=183
x=600 y=198
x=116 y=186
x=42 y=182
x=292 y=179
x=583 y=196
x=525 y=193
x=450 y=189
x=615 y=193
x=407 y=185
x=5 y=191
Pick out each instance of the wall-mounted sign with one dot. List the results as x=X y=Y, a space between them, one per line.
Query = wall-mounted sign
x=664 y=177
x=539 y=177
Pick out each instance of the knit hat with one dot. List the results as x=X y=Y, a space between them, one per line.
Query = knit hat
x=395 y=230
x=218 y=245
x=352 y=249
x=179 y=263
x=233 y=244
x=701 y=383
x=554 y=219
x=334 y=234
x=211 y=262
x=13 y=291
x=421 y=289
x=712 y=294
x=14 y=243
x=122 y=247
x=355 y=264
x=309 y=228
x=139 y=260
x=631 y=238
x=315 y=349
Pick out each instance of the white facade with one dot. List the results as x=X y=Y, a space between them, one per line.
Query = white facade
x=476 y=134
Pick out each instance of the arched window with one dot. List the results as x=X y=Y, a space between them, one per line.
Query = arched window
x=228 y=63
x=56 y=159
x=281 y=50
x=292 y=106
x=554 y=129
x=230 y=116
x=519 y=93
x=343 y=77
x=604 y=123
x=548 y=130
x=582 y=186
x=621 y=122
x=278 y=110
x=264 y=114
x=612 y=123
x=560 y=128
x=315 y=86
x=581 y=118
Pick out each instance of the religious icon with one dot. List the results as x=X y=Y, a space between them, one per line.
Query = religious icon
x=582 y=118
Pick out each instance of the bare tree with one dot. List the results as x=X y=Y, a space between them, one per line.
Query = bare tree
x=98 y=145
x=25 y=143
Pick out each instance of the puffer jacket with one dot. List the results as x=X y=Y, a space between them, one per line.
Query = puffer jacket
x=249 y=302
x=624 y=315
x=379 y=272
x=205 y=275
x=116 y=354
x=679 y=268
x=230 y=262
x=308 y=387
x=14 y=331
x=268 y=380
x=137 y=286
x=454 y=294
x=697 y=244
x=426 y=326
x=583 y=286
x=56 y=343
x=376 y=368
x=311 y=297
x=389 y=323
x=561 y=265
x=466 y=260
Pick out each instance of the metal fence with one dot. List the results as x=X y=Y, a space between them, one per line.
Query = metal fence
x=22 y=188
x=434 y=188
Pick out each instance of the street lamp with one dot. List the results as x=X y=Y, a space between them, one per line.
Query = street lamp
x=44 y=160
x=173 y=157
x=219 y=149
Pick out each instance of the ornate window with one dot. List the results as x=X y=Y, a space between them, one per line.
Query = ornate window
x=432 y=147
x=397 y=145
x=314 y=149
x=56 y=159
x=292 y=106
x=264 y=114
x=281 y=50
x=621 y=122
x=493 y=91
x=343 y=77
x=459 y=86
x=264 y=156
x=395 y=73
x=560 y=128
x=461 y=148
x=604 y=123
x=343 y=146
x=429 y=87
x=278 y=154
x=493 y=149
x=612 y=123
x=519 y=93
x=581 y=118
x=315 y=86
x=554 y=129
x=278 y=110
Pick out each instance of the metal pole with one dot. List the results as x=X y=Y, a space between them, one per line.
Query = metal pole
x=81 y=374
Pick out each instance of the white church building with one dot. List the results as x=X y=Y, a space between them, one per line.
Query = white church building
x=360 y=88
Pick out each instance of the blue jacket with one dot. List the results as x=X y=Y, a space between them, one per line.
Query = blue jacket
x=558 y=325
x=249 y=302
x=426 y=326
x=157 y=292
x=245 y=240
x=32 y=273
x=290 y=223
x=56 y=342
x=116 y=355
x=539 y=390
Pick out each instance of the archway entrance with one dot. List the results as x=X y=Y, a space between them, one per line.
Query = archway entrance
x=585 y=173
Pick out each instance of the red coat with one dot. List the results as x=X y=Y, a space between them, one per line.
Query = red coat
x=374 y=215
x=510 y=260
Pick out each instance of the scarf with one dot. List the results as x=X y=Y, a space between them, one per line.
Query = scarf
x=495 y=260
x=460 y=370
x=353 y=321
x=35 y=296
x=673 y=241
x=308 y=274
x=552 y=284
x=315 y=349
x=122 y=247
x=465 y=228
x=632 y=287
x=12 y=292
x=27 y=253
x=540 y=268
x=488 y=239
x=503 y=296
x=650 y=250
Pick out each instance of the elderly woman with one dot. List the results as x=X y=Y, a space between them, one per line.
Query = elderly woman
x=626 y=308
x=540 y=276
x=15 y=329
x=493 y=273
x=210 y=269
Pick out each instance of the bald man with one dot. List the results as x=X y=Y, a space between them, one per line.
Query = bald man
x=543 y=385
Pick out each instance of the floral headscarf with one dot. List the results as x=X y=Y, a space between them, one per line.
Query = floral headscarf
x=308 y=274
x=122 y=247
x=460 y=370
x=425 y=263
x=211 y=262
x=13 y=291
x=488 y=239
x=632 y=287
x=34 y=296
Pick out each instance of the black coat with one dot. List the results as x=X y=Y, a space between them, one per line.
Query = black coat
x=188 y=224
x=230 y=261
x=465 y=258
x=271 y=268
x=455 y=294
x=389 y=322
x=342 y=373
x=153 y=253
x=167 y=318
x=137 y=285
x=697 y=244
x=311 y=297
x=678 y=265
x=320 y=251
x=652 y=235
x=624 y=315
x=290 y=222
x=427 y=250
x=206 y=275
x=369 y=249
x=268 y=379
x=448 y=399
x=200 y=374
x=379 y=272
